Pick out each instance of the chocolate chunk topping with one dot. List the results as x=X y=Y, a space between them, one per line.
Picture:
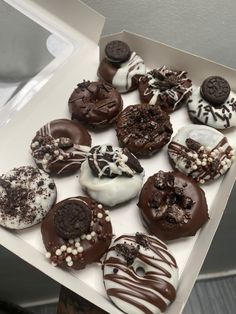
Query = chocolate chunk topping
x=128 y=252
x=65 y=142
x=215 y=90
x=164 y=180
x=72 y=219
x=117 y=51
x=109 y=161
x=193 y=145
x=142 y=239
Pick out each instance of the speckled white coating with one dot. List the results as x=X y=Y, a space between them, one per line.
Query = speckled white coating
x=39 y=198
x=220 y=117
x=110 y=191
x=122 y=80
x=159 y=264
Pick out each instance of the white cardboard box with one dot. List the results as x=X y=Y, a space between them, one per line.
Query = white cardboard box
x=83 y=27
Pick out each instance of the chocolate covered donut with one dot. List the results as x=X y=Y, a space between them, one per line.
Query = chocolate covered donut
x=165 y=87
x=96 y=104
x=213 y=104
x=201 y=152
x=121 y=67
x=76 y=232
x=59 y=146
x=172 y=205
x=144 y=129
x=140 y=274
x=26 y=195
x=111 y=175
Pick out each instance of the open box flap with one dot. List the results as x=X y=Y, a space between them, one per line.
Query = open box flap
x=70 y=13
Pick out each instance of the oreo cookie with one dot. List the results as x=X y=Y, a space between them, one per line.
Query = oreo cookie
x=72 y=219
x=117 y=51
x=215 y=90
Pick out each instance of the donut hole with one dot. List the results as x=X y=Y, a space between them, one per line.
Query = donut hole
x=140 y=271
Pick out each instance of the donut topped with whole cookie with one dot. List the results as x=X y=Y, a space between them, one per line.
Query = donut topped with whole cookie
x=77 y=231
x=166 y=87
x=213 y=104
x=121 y=67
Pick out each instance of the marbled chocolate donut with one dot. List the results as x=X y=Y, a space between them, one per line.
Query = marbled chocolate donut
x=76 y=232
x=144 y=129
x=172 y=205
x=201 y=152
x=96 y=104
x=213 y=104
x=140 y=274
x=165 y=87
x=111 y=175
x=26 y=195
x=122 y=68
x=59 y=146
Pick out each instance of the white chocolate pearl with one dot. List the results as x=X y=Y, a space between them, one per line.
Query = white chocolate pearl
x=99 y=215
x=204 y=155
x=203 y=163
x=107 y=218
x=210 y=159
x=54 y=264
x=83 y=236
x=208 y=148
x=77 y=244
x=60 y=157
x=100 y=206
x=80 y=249
x=56 y=152
x=194 y=167
x=70 y=263
x=58 y=252
x=71 y=241
x=195 y=156
x=63 y=248
x=201 y=148
x=225 y=167
x=198 y=162
x=48 y=255
x=74 y=252
x=213 y=154
x=44 y=161
x=88 y=237
x=190 y=154
x=202 y=181
x=68 y=259
x=69 y=250
x=223 y=163
x=93 y=233
x=107 y=212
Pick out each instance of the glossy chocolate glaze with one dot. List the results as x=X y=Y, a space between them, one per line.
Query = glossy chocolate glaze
x=70 y=158
x=171 y=212
x=144 y=129
x=154 y=287
x=95 y=243
x=96 y=104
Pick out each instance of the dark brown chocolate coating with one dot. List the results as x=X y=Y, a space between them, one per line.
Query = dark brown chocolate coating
x=165 y=87
x=144 y=129
x=97 y=104
x=69 y=134
x=172 y=205
x=93 y=248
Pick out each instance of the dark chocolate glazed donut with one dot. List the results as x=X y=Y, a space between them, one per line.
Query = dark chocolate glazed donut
x=144 y=129
x=59 y=147
x=97 y=104
x=172 y=205
x=84 y=249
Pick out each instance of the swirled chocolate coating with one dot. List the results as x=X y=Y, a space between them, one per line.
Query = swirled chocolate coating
x=172 y=205
x=140 y=274
x=97 y=104
x=79 y=251
x=60 y=146
x=165 y=87
x=144 y=129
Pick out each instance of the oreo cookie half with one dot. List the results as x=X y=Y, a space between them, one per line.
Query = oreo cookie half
x=117 y=51
x=215 y=90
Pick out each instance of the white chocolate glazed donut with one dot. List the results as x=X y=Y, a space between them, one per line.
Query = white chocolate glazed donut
x=218 y=117
x=140 y=274
x=122 y=79
x=26 y=195
x=201 y=152
x=123 y=186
